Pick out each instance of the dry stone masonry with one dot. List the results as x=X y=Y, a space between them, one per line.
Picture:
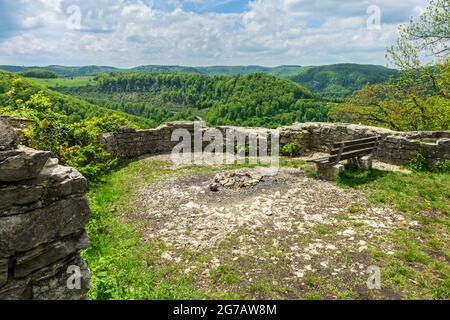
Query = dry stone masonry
x=395 y=148
x=43 y=211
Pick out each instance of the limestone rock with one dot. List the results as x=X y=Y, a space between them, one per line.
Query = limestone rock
x=16 y=290
x=25 y=165
x=45 y=255
x=235 y=180
x=327 y=171
x=64 y=286
x=3 y=271
x=23 y=232
x=8 y=137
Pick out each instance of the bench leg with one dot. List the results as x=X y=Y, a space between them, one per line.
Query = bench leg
x=328 y=171
x=363 y=163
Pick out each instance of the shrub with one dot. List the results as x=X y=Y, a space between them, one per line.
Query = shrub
x=418 y=162
x=290 y=150
x=443 y=166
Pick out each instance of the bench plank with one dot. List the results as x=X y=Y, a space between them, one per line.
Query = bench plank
x=357 y=141
x=350 y=149
x=352 y=154
x=355 y=147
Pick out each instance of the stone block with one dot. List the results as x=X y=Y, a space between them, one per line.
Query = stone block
x=328 y=171
x=47 y=254
x=25 y=165
x=16 y=290
x=363 y=163
x=8 y=137
x=20 y=233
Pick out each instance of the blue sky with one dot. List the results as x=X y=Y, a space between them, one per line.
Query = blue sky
x=221 y=6
x=127 y=33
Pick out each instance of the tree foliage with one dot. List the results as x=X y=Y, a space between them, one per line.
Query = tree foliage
x=39 y=73
x=73 y=144
x=419 y=99
x=253 y=100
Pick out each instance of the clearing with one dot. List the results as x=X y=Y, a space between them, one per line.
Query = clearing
x=160 y=233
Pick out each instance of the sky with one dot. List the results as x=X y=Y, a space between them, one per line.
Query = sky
x=128 y=33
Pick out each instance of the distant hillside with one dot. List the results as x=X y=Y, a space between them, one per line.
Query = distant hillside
x=74 y=108
x=63 y=71
x=341 y=80
x=256 y=99
x=331 y=81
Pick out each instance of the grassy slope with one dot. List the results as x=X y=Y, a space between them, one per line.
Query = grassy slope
x=420 y=269
x=73 y=107
x=123 y=268
x=65 y=82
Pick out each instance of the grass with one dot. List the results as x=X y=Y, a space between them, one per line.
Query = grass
x=420 y=268
x=121 y=266
x=65 y=82
x=406 y=192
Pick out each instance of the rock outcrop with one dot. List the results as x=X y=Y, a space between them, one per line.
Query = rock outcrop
x=43 y=212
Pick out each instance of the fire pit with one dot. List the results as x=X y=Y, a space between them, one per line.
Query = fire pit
x=235 y=180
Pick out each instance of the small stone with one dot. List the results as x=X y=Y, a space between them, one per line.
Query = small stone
x=167 y=256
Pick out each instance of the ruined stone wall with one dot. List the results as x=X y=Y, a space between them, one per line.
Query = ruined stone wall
x=43 y=211
x=134 y=143
x=395 y=148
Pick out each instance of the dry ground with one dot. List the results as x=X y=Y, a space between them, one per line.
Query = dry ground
x=290 y=236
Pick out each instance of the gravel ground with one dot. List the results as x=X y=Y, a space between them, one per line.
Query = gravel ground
x=304 y=226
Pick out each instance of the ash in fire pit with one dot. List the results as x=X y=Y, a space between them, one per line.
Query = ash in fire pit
x=235 y=180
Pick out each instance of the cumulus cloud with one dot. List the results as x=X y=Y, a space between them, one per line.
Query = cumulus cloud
x=197 y=32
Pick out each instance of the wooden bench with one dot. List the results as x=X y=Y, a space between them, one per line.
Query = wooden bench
x=359 y=152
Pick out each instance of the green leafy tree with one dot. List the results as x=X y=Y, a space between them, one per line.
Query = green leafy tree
x=419 y=98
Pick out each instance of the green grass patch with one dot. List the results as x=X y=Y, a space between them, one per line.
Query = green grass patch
x=407 y=192
x=322 y=229
x=65 y=82
x=122 y=267
x=419 y=269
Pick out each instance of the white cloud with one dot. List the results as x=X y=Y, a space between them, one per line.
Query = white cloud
x=269 y=32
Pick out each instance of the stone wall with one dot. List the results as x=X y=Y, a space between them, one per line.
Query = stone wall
x=43 y=211
x=396 y=147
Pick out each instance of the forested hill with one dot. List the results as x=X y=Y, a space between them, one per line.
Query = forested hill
x=341 y=80
x=74 y=108
x=255 y=99
x=332 y=81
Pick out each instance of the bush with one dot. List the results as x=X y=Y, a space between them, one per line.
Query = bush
x=443 y=166
x=92 y=161
x=73 y=144
x=418 y=162
x=291 y=150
